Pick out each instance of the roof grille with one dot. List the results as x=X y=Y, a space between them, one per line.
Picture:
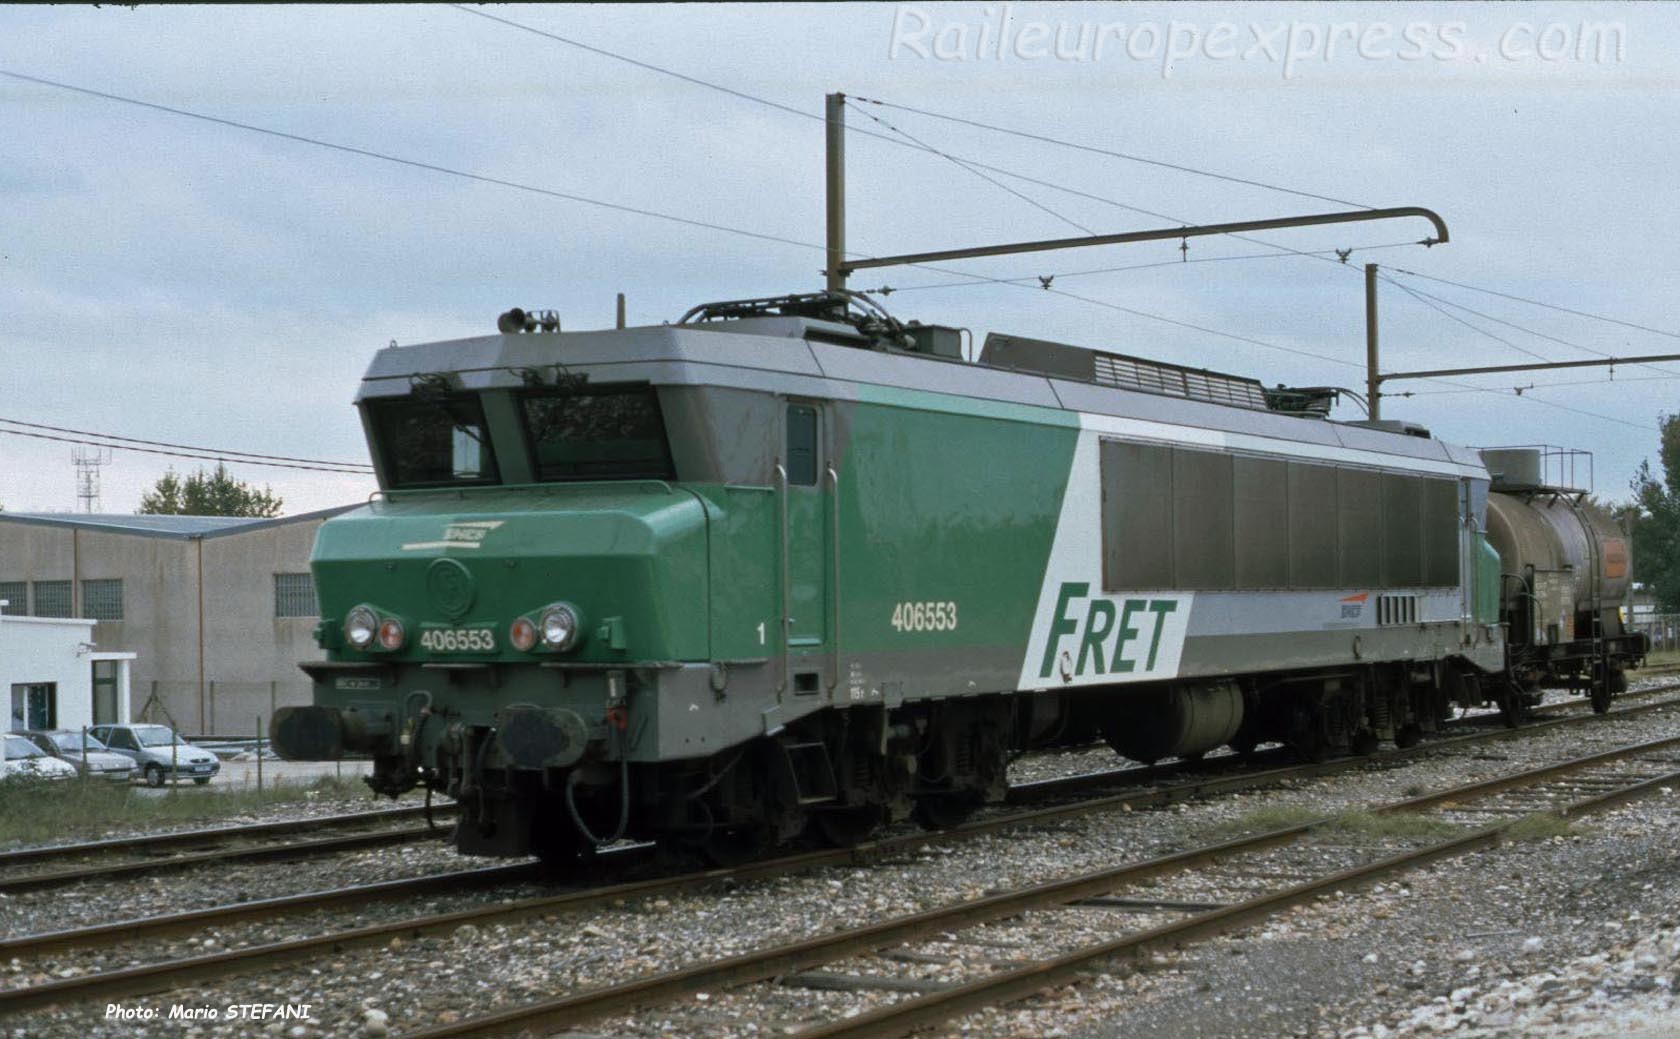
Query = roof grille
x=1122 y=372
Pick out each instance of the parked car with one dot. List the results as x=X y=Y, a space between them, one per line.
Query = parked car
x=20 y=758
x=85 y=754
x=156 y=749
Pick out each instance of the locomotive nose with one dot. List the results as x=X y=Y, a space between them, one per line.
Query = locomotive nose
x=591 y=576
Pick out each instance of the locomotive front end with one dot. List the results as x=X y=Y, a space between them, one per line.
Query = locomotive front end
x=508 y=654
x=507 y=622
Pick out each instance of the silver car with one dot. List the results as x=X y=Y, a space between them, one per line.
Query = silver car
x=156 y=749
x=91 y=757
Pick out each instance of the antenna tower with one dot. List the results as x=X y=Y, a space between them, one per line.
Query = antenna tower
x=88 y=463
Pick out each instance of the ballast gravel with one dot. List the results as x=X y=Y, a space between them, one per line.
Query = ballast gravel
x=1467 y=922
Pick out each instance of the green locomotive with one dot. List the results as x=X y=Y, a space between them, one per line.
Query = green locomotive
x=790 y=564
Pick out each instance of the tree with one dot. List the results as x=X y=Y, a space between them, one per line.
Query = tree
x=1656 y=520
x=207 y=494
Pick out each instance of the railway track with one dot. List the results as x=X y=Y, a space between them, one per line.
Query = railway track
x=186 y=848
x=160 y=976
x=879 y=952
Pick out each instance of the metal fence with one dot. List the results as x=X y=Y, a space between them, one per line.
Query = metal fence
x=1663 y=629
x=219 y=707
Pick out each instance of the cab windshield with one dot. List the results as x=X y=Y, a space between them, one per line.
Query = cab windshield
x=433 y=440
x=599 y=433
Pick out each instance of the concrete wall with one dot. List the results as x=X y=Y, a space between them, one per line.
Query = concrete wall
x=249 y=656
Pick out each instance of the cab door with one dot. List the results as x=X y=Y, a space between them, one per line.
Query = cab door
x=807 y=550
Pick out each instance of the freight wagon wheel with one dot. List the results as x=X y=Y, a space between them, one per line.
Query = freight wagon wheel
x=1602 y=691
x=846 y=827
x=1513 y=705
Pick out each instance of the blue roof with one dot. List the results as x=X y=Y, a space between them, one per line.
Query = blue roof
x=164 y=526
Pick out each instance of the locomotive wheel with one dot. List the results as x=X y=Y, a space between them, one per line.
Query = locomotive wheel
x=734 y=845
x=944 y=811
x=1408 y=736
x=846 y=827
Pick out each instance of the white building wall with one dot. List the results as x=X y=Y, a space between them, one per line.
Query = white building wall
x=57 y=652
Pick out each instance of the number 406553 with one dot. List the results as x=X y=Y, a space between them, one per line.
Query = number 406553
x=925 y=616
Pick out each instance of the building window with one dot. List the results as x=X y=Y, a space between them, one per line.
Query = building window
x=16 y=595
x=34 y=706
x=52 y=599
x=294 y=596
x=102 y=600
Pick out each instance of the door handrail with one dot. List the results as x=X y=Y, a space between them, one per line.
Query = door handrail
x=786 y=622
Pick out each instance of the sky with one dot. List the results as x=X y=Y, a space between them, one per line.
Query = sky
x=174 y=280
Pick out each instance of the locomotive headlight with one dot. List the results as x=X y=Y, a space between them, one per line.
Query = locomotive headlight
x=360 y=627
x=391 y=634
x=559 y=627
x=523 y=634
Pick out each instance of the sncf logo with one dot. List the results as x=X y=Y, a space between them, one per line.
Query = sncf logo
x=1112 y=638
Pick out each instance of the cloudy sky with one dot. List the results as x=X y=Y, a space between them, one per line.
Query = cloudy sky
x=175 y=280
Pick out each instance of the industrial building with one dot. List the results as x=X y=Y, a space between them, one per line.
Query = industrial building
x=217 y=611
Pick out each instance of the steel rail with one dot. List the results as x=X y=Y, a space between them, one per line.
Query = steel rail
x=761 y=965
x=259 y=853
x=1013 y=984
x=211 y=835
x=1039 y=790
x=153 y=927
x=163 y=925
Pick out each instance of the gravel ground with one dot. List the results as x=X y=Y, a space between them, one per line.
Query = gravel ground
x=310 y=804
x=1298 y=966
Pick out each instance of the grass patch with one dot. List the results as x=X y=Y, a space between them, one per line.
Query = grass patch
x=1366 y=824
x=1394 y=824
x=35 y=811
x=1264 y=820
x=1539 y=826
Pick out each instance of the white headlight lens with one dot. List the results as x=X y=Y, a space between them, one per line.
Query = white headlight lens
x=360 y=627
x=559 y=627
x=391 y=633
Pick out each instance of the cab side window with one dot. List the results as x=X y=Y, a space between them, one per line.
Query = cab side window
x=801 y=445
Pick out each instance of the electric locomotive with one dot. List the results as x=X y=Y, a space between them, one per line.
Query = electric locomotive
x=792 y=565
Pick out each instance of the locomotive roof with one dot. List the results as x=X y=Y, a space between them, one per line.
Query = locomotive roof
x=827 y=360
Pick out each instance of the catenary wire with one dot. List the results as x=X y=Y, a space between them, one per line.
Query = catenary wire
x=670 y=217
x=1029 y=200
x=1521 y=328
x=413 y=163
x=1449 y=315
x=218 y=452
x=1539 y=303
x=1093 y=149
x=180 y=454
x=792 y=110
x=972 y=165
x=858 y=130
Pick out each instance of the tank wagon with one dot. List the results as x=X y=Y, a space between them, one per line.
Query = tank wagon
x=789 y=564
